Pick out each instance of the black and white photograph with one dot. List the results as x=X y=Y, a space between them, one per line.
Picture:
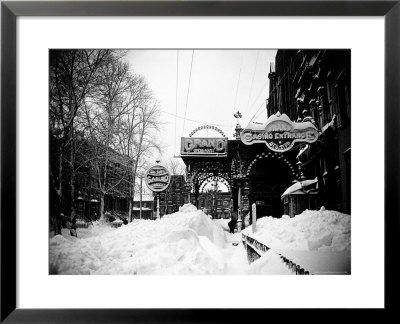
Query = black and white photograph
x=194 y=161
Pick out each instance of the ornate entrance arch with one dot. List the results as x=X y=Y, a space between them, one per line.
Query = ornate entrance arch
x=211 y=178
x=234 y=163
x=266 y=155
x=269 y=175
x=207 y=127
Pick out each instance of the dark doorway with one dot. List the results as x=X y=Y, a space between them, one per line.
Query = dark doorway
x=269 y=178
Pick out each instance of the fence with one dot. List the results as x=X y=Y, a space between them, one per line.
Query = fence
x=256 y=249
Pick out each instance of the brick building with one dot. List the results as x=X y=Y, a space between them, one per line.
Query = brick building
x=314 y=85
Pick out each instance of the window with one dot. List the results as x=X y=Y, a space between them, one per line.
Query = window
x=342 y=98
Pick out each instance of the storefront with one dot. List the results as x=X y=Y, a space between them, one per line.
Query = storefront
x=258 y=166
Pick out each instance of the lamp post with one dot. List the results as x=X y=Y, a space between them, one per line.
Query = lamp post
x=188 y=188
x=215 y=199
x=157 y=180
x=238 y=128
x=158 y=206
x=80 y=207
x=239 y=221
x=140 y=203
x=240 y=178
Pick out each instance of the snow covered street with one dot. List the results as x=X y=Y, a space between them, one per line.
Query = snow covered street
x=189 y=242
x=235 y=255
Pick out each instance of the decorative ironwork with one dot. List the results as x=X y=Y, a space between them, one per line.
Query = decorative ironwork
x=271 y=155
x=205 y=181
x=207 y=127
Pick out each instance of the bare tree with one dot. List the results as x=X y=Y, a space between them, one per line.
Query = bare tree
x=143 y=143
x=122 y=119
x=176 y=167
x=102 y=117
x=71 y=77
x=106 y=112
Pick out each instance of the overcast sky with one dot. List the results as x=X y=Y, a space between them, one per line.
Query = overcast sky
x=221 y=83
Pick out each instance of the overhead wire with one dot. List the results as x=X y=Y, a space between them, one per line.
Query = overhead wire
x=176 y=95
x=237 y=86
x=260 y=92
x=252 y=82
x=271 y=91
x=187 y=95
x=192 y=120
x=258 y=110
x=237 y=89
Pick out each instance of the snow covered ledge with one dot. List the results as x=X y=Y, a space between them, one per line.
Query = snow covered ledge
x=314 y=242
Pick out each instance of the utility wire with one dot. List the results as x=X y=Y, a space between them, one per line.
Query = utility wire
x=176 y=95
x=271 y=91
x=237 y=86
x=252 y=82
x=192 y=120
x=256 y=112
x=261 y=91
x=187 y=95
x=237 y=89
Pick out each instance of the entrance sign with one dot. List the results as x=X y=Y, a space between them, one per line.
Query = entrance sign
x=157 y=178
x=204 y=146
x=279 y=133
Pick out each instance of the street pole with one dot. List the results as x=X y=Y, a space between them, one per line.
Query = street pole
x=158 y=206
x=215 y=199
x=239 y=223
x=141 y=181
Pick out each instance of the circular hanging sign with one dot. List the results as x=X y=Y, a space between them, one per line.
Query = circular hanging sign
x=157 y=178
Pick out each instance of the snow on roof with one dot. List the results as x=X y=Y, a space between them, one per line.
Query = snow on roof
x=305 y=148
x=278 y=116
x=272 y=67
x=330 y=124
x=298 y=186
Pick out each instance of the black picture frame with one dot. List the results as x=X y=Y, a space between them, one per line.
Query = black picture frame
x=10 y=10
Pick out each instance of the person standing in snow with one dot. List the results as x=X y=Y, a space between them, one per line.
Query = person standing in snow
x=232 y=223
x=72 y=231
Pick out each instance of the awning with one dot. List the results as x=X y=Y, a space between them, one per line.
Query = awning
x=299 y=186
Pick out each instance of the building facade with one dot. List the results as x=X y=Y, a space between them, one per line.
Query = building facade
x=310 y=90
x=315 y=85
x=143 y=209
x=84 y=182
x=217 y=204
x=173 y=197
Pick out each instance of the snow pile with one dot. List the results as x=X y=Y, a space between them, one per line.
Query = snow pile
x=269 y=264
x=223 y=223
x=186 y=242
x=323 y=230
x=189 y=216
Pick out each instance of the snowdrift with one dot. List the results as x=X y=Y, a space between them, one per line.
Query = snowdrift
x=323 y=230
x=186 y=242
x=318 y=240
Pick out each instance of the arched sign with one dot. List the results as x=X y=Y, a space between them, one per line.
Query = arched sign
x=157 y=178
x=279 y=133
x=205 y=146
